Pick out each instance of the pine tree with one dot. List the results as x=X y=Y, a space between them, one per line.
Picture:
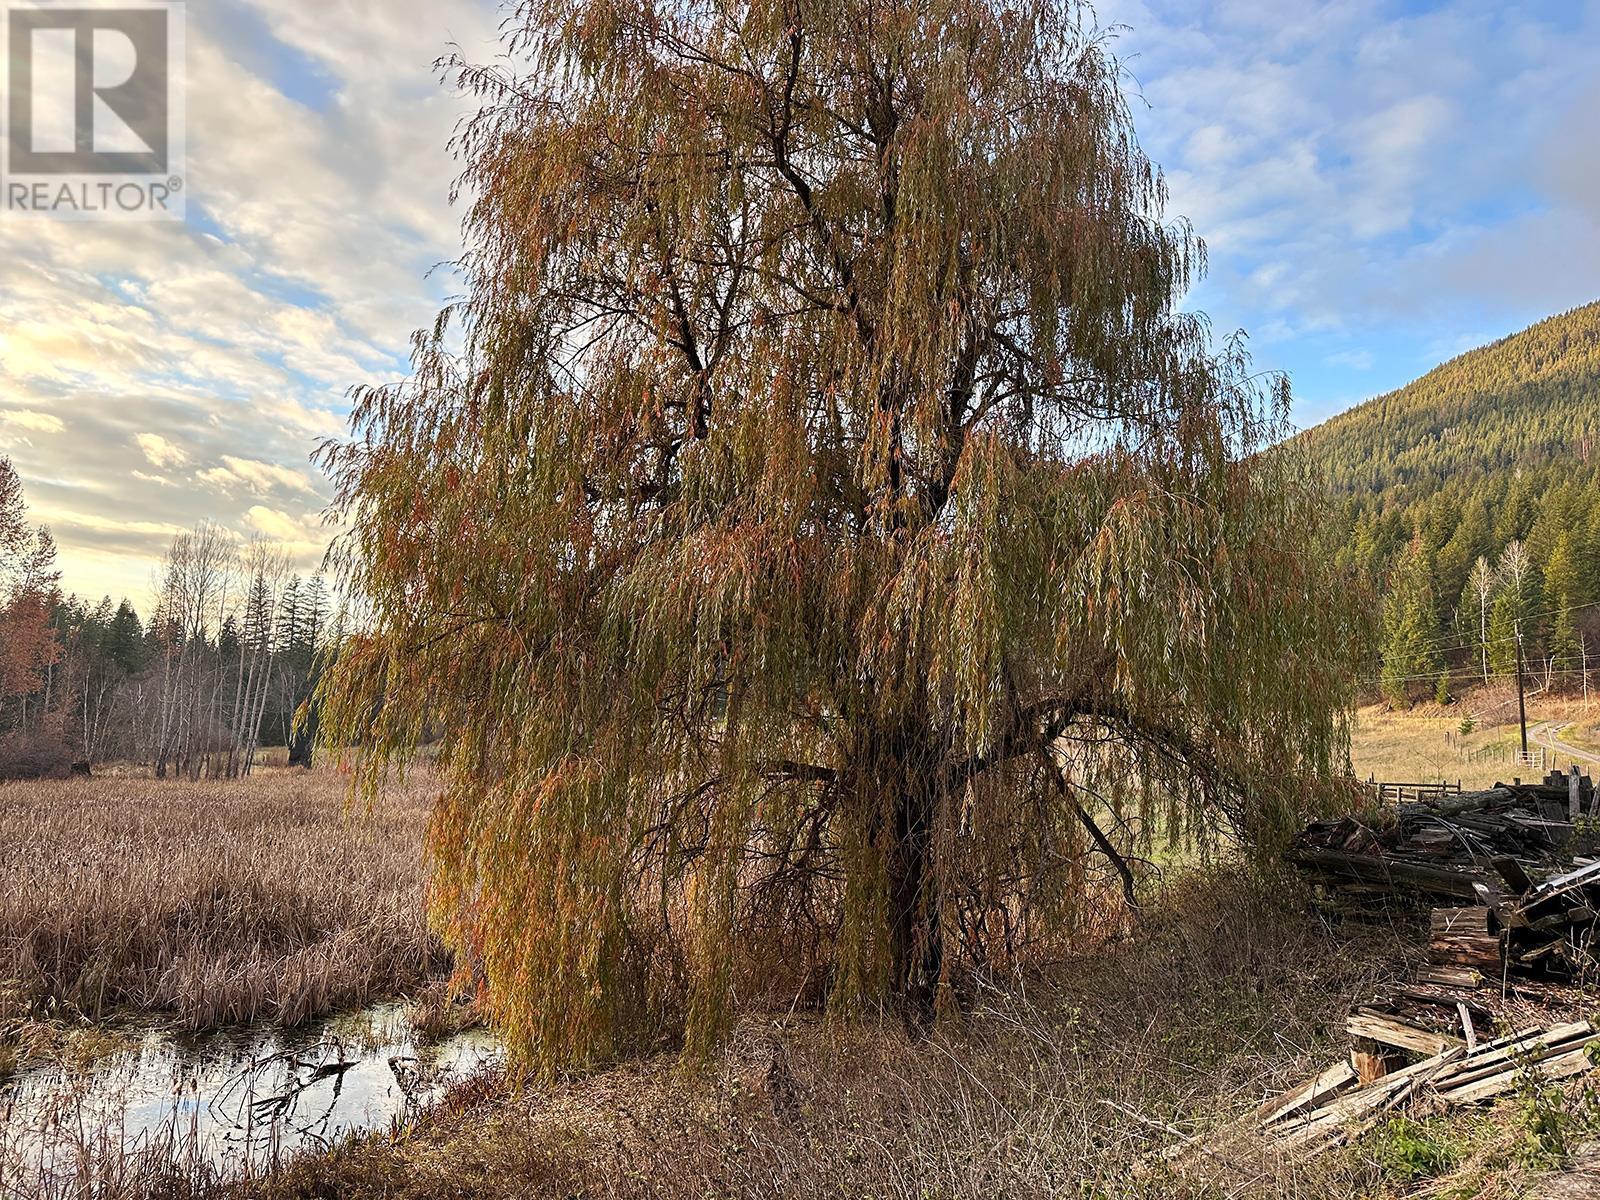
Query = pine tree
x=1410 y=627
x=125 y=639
x=1508 y=430
x=1469 y=541
x=1562 y=591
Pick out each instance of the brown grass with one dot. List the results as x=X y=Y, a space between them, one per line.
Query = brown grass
x=1425 y=743
x=214 y=901
x=1066 y=1085
x=209 y=903
x=1058 y=1087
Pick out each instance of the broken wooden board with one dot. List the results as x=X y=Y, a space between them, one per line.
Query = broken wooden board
x=1327 y=1110
x=1391 y=1031
x=1335 y=1081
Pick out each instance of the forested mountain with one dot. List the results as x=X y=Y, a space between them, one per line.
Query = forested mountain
x=1471 y=498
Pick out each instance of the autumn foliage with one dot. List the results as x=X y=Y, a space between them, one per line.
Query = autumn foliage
x=830 y=553
x=29 y=743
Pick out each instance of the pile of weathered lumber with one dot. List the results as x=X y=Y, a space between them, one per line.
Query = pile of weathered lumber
x=1517 y=854
x=1520 y=900
x=1338 y=1105
x=1468 y=846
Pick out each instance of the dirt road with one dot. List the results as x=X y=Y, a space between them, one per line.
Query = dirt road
x=1548 y=735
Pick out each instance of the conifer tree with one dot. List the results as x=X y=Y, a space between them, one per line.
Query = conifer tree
x=125 y=639
x=1410 y=627
x=1562 y=594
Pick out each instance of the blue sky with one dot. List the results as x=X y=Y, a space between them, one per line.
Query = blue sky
x=1381 y=186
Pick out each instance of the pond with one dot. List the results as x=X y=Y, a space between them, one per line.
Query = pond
x=226 y=1103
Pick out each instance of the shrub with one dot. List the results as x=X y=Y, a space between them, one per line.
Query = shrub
x=35 y=755
x=1408 y=1150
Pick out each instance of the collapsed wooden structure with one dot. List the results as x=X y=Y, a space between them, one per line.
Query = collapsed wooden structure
x=1513 y=868
x=1337 y=1105
x=1514 y=879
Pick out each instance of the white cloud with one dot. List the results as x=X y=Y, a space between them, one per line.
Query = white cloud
x=258 y=478
x=281 y=527
x=1359 y=172
x=1373 y=179
x=159 y=452
x=218 y=354
x=31 y=420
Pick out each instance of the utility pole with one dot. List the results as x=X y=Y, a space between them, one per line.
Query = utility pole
x=1522 y=706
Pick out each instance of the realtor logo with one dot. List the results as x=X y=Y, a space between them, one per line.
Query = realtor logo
x=94 y=110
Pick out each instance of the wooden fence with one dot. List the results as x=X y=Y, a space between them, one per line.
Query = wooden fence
x=1537 y=756
x=1583 y=797
x=1399 y=793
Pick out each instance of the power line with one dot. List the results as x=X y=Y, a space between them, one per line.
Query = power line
x=1475 y=675
x=1437 y=644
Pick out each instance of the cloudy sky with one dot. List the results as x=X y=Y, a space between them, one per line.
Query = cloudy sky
x=1381 y=185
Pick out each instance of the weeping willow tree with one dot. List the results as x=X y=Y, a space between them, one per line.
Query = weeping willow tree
x=817 y=527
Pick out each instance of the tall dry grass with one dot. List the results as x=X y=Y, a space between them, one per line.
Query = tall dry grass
x=1070 y=1082
x=1065 y=1084
x=212 y=902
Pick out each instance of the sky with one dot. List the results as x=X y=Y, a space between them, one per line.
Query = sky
x=1381 y=186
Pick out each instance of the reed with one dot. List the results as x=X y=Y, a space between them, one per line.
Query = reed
x=208 y=903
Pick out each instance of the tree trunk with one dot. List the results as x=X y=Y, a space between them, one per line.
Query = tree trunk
x=916 y=951
x=303 y=740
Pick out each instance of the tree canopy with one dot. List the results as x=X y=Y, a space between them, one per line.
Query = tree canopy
x=817 y=530
x=28 y=588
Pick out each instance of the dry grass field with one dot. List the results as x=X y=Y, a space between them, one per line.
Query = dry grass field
x=1071 y=1084
x=212 y=902
x=209 y=903
x=1426 y=742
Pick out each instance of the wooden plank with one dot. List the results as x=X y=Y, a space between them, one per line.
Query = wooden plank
x=1450 y=977
x=1444 y=998
x=1558 y=1066
x=1561 y=884
x=1478 y=919
x=1333 y=1122
x=1508 y=1053
x=1511 y=871
x=1390 y=1031
x=1467 y=1030
x=1370 y=1061
x=1320 y=1107
x=1478 y=950
x=1335 y=1081
x=1370 y=868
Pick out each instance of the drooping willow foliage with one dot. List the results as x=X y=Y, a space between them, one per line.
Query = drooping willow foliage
x=816 y=510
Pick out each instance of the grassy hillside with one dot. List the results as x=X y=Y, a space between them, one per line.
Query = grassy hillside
x=1493 y=457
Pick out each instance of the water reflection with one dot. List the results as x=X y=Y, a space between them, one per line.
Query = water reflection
x=231 y=1102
